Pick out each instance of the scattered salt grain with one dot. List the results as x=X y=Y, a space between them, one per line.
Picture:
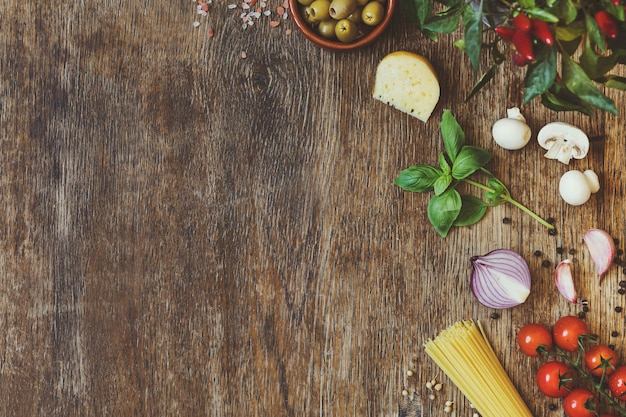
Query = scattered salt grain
x=274 y=23
x=232 y=6
x=244 y=55
x=196 y=24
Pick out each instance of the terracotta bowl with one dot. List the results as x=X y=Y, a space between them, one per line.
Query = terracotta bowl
x=368 y=37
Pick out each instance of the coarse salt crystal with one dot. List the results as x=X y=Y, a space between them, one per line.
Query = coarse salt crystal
x=232 y=6
x=280 y=10
x=267 y=13
x=243 y=54
x=285 y=15
x=274 y=23
x=196 y=24
x=245 y=6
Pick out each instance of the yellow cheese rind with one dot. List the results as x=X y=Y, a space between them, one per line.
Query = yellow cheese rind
x=407 y=82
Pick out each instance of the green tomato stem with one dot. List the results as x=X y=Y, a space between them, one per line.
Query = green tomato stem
x=597 y=386
x=509 y=199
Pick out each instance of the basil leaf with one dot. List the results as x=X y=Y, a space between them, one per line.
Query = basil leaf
x=472 y=210
x=470 y=159
x=540 y=74
x=443 y=164
x=576 y=81
x=442 y=183
x=482 y=82
x=452 y=135
x=418 y=178
x=443 y=210
x=473 y=34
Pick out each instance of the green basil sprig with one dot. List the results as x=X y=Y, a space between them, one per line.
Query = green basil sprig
x=447 y=207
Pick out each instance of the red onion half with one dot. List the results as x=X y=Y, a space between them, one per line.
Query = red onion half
x=500 y=279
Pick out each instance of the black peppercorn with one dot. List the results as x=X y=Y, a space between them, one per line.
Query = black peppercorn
x=545 y=263
x=614 y=333
x=506 y=220
x=621 y=291
x=572 y=251
x=581 y=314
x=552 y=232
x=618 y=309
x=538 y=254
x=612 y=347
x=622 y=283
x=586 y=309
x=559 y=250
x=552 y=407
x=495 y=316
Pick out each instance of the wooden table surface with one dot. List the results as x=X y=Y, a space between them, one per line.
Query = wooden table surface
x=199 y=225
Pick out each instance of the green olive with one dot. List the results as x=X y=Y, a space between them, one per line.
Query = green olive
x=355 y=16
x=327 y=28
x=362 y=3
x=306 y=14
x=305 y=2
x=340 y=9
x=320 y=10
x=373 y=13
x=346 y=31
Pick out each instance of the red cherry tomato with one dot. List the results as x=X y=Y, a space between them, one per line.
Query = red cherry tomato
x=567 y=330
x=599 y=357
x=574 y=403
x=549 y=379
x=531 y=336
x=617 y=383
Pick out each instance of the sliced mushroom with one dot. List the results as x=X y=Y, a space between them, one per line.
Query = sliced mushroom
x=563 y=141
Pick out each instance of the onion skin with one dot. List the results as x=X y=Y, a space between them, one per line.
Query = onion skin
x=500 y=279
x=601 y=247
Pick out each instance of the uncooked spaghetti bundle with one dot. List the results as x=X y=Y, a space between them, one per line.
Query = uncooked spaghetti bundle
x=463 y=352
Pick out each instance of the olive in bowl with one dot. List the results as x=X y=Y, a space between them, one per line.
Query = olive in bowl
x=342 y=25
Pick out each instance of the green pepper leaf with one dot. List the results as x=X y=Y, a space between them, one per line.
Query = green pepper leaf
x=614 y=81
x=452 y=135
x=562 y=102
x=446 y=21
x=541 y=14
x=472 y=210
x=540 y=74
x=482 y=82
x=473 y=34
x=565 y=10
x=443 y=210
x=418 y=178
x=596 y=66
x=470 y=159
x=593 y=32
x=576 y=81
x=416 y=12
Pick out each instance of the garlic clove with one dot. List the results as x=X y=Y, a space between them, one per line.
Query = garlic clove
x=601 y=247
x=565 y=281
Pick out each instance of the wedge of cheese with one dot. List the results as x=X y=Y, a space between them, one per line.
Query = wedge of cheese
x=408 y=82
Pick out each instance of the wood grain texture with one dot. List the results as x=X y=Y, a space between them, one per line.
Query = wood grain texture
x=186 y=232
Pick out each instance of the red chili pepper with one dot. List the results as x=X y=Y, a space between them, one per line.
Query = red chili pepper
x=541 y=30
x=505 y=32
x=616 y=2
x=519 y=60
x=607 y=23
x=521 y=22
x=524 y=45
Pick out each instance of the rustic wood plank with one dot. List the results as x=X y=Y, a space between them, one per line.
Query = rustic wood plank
x=190 y=232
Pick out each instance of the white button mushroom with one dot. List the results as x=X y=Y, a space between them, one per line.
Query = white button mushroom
x=512 y=132
x=563 y=141
x=576 y=187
